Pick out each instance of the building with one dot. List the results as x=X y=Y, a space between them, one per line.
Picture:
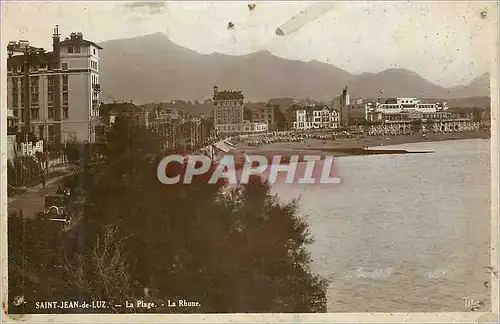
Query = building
x=316 y=117
x=228 y=111
x=341 y=104
x=11 y=135
x=254 y=127
x=168 y=113
x=404 y=109
x=62 y=88
x=262 y=113
x=397 y=105
x=181 y=130
x=135 y=115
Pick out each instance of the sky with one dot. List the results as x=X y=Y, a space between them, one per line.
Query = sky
x=448 y=43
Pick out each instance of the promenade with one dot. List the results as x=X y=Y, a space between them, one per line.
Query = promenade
x=33 y=199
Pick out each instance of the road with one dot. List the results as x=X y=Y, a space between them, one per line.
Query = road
x=33 y=200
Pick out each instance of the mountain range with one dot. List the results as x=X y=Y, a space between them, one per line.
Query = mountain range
x=152 y=68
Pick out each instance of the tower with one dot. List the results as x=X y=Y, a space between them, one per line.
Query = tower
x=344 y=107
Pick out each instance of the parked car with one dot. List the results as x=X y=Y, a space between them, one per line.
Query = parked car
x=56 y=208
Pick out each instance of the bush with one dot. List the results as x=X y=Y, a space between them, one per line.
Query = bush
x=232 y=249
x=23 y=171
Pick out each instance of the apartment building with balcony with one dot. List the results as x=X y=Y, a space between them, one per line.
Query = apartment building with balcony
x=63 y=89
x=228 y=111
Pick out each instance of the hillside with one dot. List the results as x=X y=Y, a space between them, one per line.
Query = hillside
x=152 y=68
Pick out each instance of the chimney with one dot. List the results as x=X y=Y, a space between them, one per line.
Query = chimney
x=56 y=36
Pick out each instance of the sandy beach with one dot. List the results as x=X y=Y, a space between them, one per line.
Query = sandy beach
x=357 y=142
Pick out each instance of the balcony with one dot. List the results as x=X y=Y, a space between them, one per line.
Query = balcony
x=96 y=88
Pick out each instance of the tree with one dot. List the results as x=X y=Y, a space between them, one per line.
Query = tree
x=429 y=125
x=416 y=126
x=249 y=242
x=23 y=171
x=233 y=250
x=280 y=119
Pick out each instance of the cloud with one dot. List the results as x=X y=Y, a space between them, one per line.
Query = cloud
x=150 y=7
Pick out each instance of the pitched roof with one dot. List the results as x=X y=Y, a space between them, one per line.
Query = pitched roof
x=78 y=42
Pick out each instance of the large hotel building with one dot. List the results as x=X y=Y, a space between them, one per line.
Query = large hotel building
x=63 y=89
x=228 y=111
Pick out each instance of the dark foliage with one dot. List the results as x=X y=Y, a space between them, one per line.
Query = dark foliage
x=23 y=171
x=280 y=119
x=231 y=249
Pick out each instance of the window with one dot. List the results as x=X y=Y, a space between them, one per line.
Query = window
x=100 y=135
x=65 y=66
x=65 y=79
x=51 y=97
x=65 y=96
x=34 y=90
x=50 y=112
x=52 y=133
x=65 y=112
x=77 y=49
x=70 y=49
x=34 y=113
x=94 y=51
x=51 y=80
x=16 y=113
x=15 y=100
x=96 y=65
x=34 y=81
x=14 y=85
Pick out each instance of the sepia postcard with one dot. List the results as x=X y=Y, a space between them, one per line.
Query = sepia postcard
x=239 y=161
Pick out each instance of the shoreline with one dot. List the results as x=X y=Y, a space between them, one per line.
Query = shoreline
x=356 y=145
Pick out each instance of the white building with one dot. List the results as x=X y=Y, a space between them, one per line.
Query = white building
x=400 y=105
x=316 y=117
x=64 y=89
x=168 y=114
x=400 y=109
x=301 y=121
x=251 y=127
x=334 y=119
